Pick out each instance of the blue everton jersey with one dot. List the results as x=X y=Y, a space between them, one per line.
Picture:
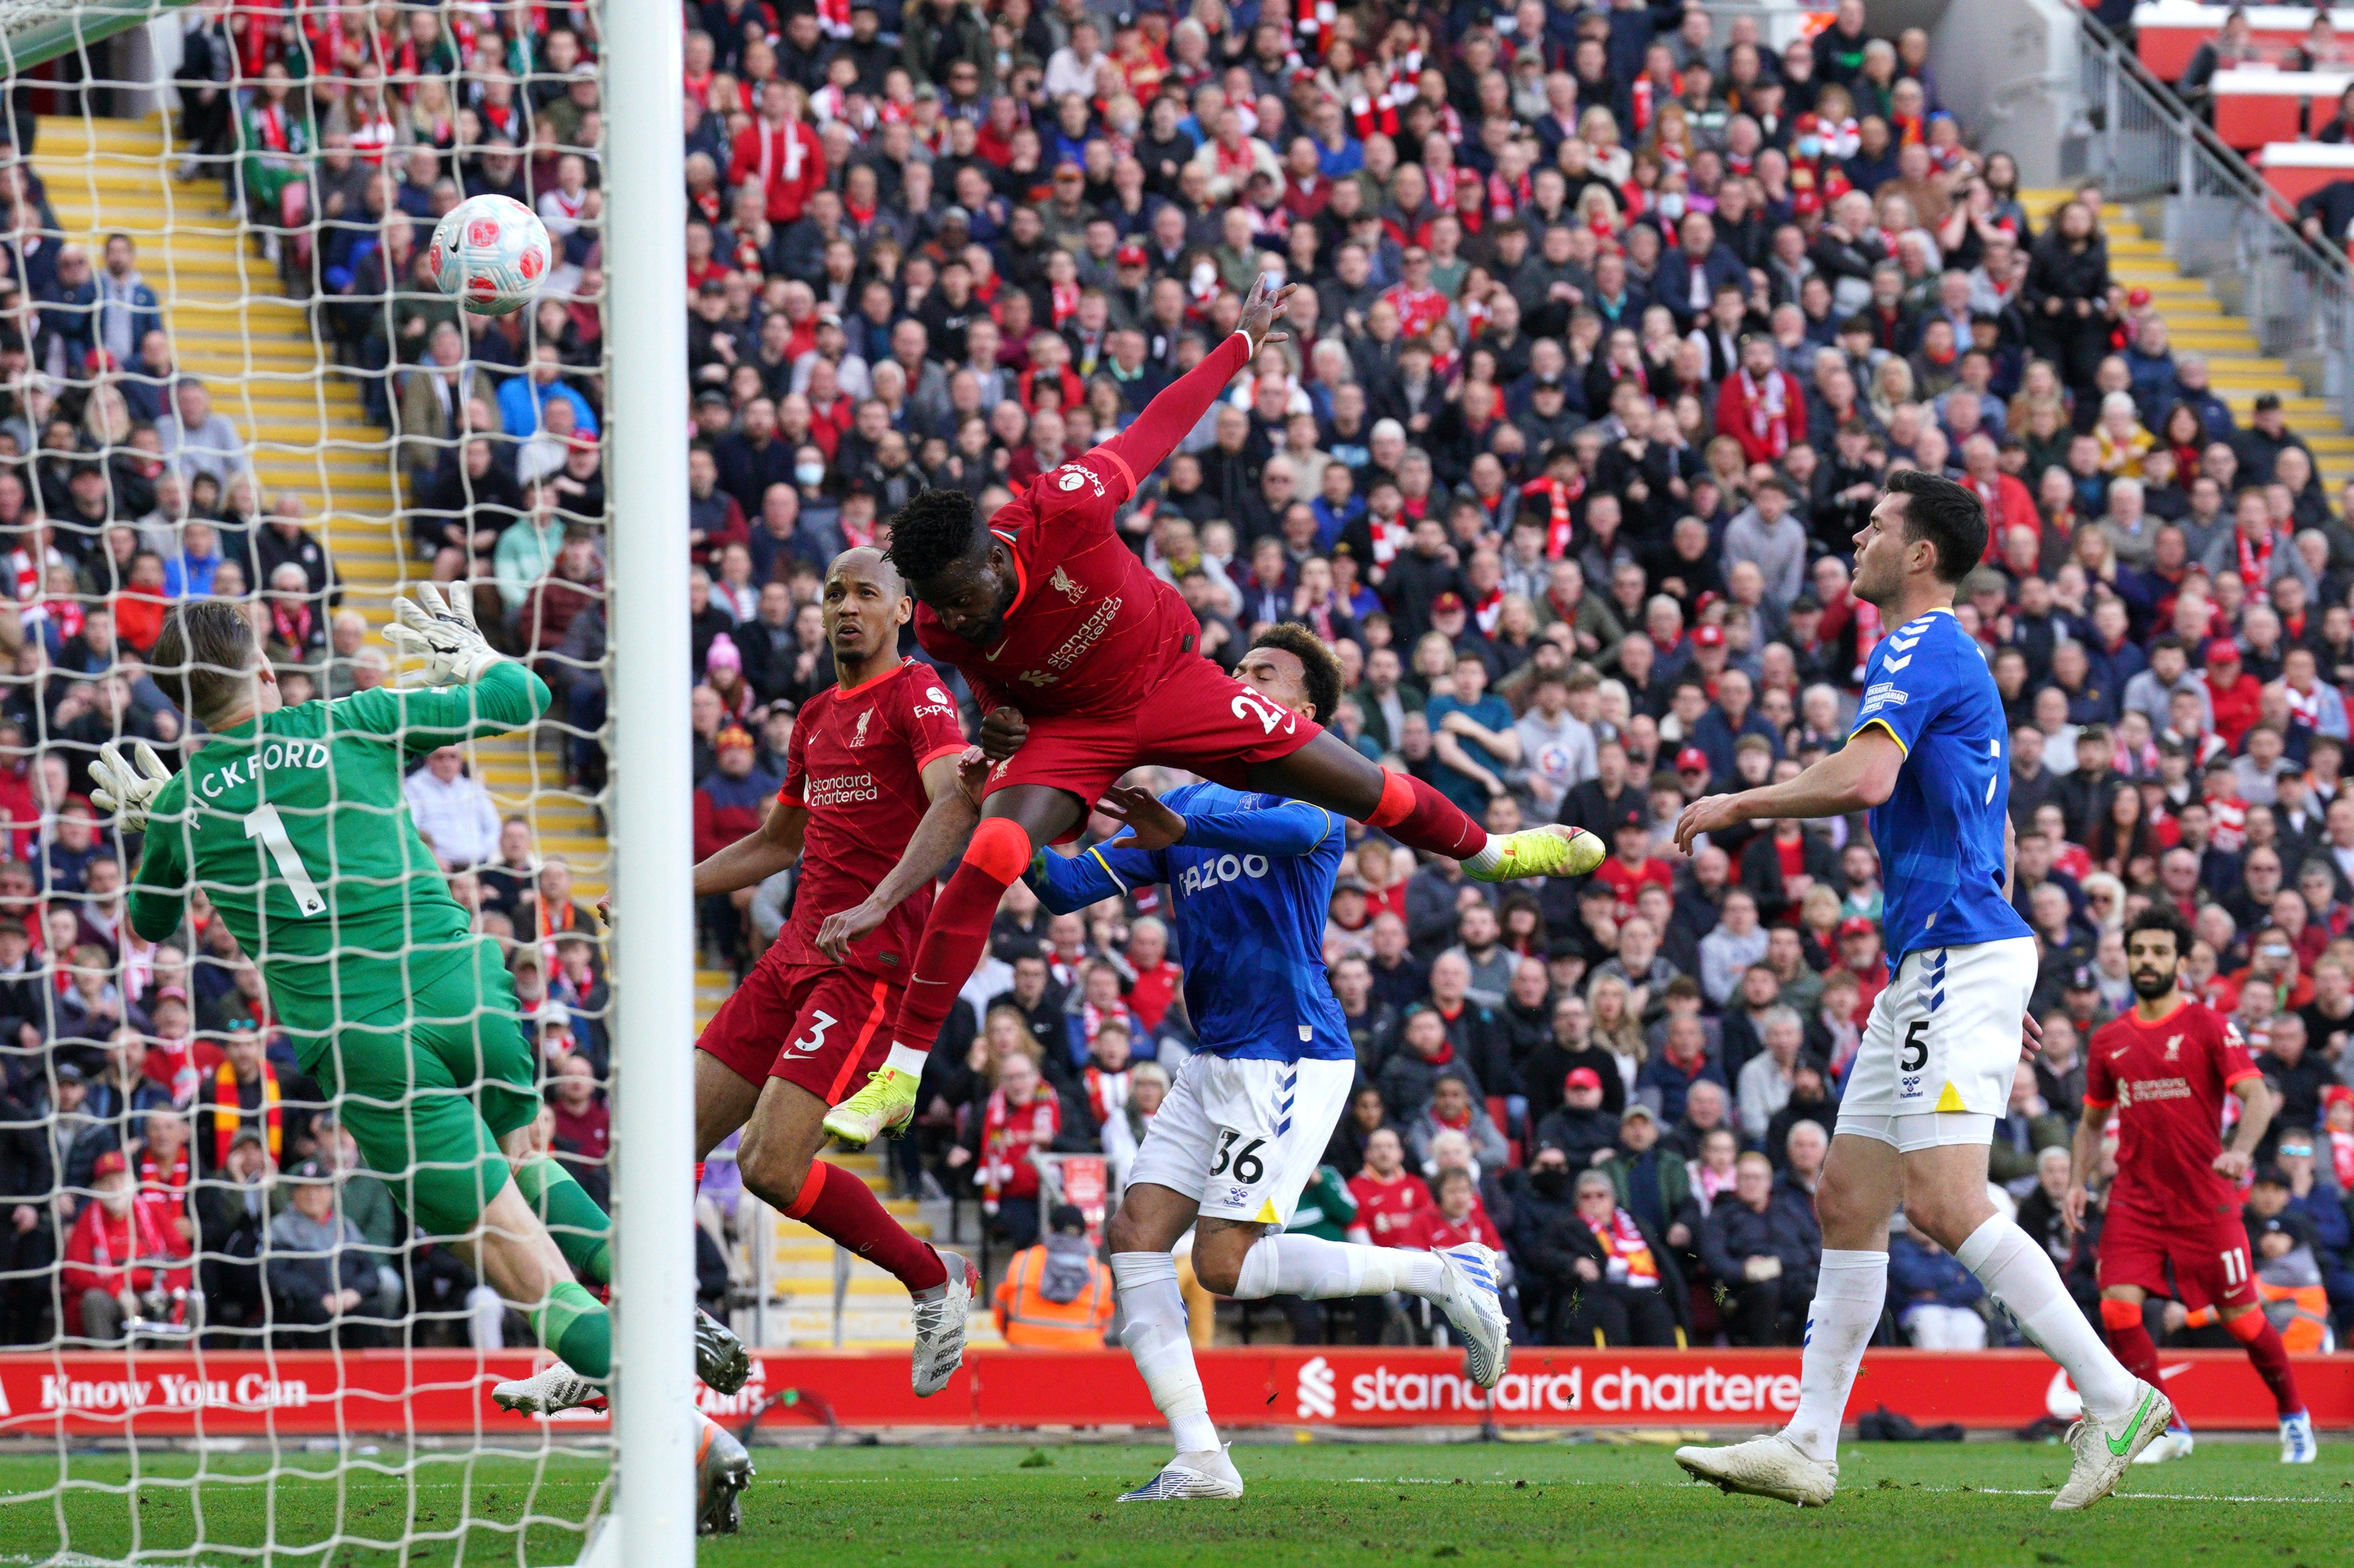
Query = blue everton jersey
x=1250 y=885
x=1940 y=834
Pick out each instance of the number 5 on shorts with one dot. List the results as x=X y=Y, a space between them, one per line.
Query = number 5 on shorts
x=1245 y=1161
x=1916 y=1049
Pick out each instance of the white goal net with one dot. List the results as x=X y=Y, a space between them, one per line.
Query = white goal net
x=229 y=1327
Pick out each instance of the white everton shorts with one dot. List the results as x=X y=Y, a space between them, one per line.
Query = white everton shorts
x=1243 y=1137
x=1941 y=1046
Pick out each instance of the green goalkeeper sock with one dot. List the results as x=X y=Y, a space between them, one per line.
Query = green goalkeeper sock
x=576 y=1326
x=581 y=1229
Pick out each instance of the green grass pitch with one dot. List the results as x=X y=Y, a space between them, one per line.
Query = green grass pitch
x=1326 y=1503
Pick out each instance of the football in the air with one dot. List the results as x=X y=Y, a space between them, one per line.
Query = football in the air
x=490 y=253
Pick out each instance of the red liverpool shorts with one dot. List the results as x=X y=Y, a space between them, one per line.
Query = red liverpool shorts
x=1196 y=717
x=2201 y=1264
x=819 y=1025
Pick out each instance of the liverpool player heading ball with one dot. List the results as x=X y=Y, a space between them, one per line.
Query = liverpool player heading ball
x=1086 y=664
x=2173 y=1228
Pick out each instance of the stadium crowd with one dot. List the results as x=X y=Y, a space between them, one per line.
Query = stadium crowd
x=1613 y=319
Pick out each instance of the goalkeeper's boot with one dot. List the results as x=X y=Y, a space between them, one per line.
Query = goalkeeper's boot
x=1208 y=1474
x=886 y=1104
x=941 y=1314
x=722 y=1471
x=2103 y=1449
x=553 y=1387
x=1472 y=1304
x=1554 y=850
x=2297 y=1446
x=2174 y=1443
x=1767 y=1467
x=720 y=1358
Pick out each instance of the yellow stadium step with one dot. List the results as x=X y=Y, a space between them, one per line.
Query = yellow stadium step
x=273 y=375
x=2197 y=321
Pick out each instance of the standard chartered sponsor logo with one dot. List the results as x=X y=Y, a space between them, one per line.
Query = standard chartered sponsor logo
x=1085 y=637
x=842 y=789
x=1620 y=1390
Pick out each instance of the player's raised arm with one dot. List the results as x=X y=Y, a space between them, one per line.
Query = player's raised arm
x=1146 y=444
x=471 y=690
x=1107 y=871
x=1291 y=827
x=1858 y=776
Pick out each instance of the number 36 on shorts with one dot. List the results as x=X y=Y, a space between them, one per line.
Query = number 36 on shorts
x=1239 y=1158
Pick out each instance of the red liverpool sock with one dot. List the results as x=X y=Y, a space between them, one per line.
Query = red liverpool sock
x=2129 y=1340
x=1420 y=818
x=2256 y=1332
x=955 y=936
x=836 y=1204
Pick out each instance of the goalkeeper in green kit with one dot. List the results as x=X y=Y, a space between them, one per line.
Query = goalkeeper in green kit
x=293 y=822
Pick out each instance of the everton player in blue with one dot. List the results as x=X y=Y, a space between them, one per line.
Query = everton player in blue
x=1250 y=879
x=1924 y=756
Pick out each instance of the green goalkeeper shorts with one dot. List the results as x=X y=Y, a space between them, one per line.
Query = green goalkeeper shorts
x=429 y=1085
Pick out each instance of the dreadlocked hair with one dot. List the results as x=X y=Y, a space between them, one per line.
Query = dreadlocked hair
x=1319 y=667
x=933 y=532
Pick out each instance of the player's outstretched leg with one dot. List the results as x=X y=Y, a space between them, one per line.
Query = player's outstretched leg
x=1326 y=772
x=1459 y=1281
x=1021 y=817
x=778 y=1158
x=2123 y=1414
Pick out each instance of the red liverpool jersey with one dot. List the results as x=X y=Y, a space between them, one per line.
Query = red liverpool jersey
x=2167 y=1081
x=856 y=761
x=1387 y=1209
x=1091 y=627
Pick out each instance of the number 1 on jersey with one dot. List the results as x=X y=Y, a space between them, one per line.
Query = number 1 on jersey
x=264 y=823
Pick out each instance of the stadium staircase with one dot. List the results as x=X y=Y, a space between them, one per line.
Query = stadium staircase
x=274 y=376
x=272 y=373
x=2198 y=320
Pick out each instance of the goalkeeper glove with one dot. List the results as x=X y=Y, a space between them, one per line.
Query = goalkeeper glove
x=127 y=791
x=442 y=633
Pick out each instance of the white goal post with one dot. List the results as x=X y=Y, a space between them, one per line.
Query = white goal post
x=285 y=380
x=653 y=788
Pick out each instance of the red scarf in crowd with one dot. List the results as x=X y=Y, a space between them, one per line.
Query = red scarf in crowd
x=1008 y=1134
x=1107 y=1092
x=2256 y=559
x=1372 y=114
x=153 y=1178
x=1645 y=95
x=229 y=1111
x=2341 y=1158
x=1623 y=1241
x=1769 y=418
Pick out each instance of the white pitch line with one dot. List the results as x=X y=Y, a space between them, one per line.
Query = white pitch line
x=1703 y=1486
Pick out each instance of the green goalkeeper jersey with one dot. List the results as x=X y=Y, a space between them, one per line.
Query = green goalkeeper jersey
x=296 y=827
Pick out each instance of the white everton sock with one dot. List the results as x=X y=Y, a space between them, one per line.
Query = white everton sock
x=1321 y=1270
x=1154 y=1333
x=2018 y=1273
x=1846 y=1309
